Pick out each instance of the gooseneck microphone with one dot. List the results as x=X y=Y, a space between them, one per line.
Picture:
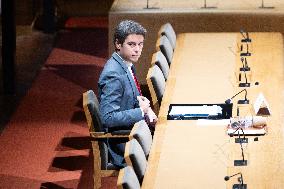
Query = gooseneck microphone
x=147 y=6
x=245 y=101
x=226 y=178
x=245 y=38
x=245 y=65
x=265 y=7
x=244 y=69
x=207 y=7
x=239 y=139
x=246 y=53
x=241 y=184
x=241 y=162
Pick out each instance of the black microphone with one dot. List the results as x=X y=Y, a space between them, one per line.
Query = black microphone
x=147 y=6
x=226 y=178
x=246 y=53
x=246 y=84
x=241 y=162
x=239 y=139
x=206 y=7
x=265 y=7
x=241 y=184
x=245 y=101
x=245 y=65
x=245 y=38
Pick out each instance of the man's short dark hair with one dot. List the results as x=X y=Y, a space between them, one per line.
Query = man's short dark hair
x=125 y=28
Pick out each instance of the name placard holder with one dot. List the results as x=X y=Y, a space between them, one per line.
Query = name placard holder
x=261 y=106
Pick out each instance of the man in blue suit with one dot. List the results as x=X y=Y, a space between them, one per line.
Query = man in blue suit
x=121 y=100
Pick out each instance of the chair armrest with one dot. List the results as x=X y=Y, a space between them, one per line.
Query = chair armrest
x=102 y=135
x=121 y=132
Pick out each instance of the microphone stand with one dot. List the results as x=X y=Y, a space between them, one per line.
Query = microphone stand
x=245 y=65
x=147 y=6
x=245 y=101
x=239 y=139
x=241 y=162
x=241 y=184
x=246 y=53
x=264 y=7
x=246 y=38
x=206 y=7
x=246 y=84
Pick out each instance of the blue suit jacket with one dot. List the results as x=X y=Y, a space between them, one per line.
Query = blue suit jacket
x=118 y=93
x=119 y=106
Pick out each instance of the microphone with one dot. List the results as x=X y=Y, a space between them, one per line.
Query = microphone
x=264 y=7
x=241 y=184
x=245 y=65
x=239 y=139
x=245 y=101
x=238 y=126
x=241 y=162
x=246 y=53
x=207 y=7
x=246 y=84
x=226 y=178
x=147 y=6
x=245 y=38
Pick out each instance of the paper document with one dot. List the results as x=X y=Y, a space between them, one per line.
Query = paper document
x=250 y=131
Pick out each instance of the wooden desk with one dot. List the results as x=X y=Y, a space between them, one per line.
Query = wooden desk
x=187 y=154
x=188 y=16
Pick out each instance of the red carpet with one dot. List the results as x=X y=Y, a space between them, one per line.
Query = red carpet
x=45 y=144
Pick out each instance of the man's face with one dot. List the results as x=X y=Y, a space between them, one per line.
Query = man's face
x=132 y=47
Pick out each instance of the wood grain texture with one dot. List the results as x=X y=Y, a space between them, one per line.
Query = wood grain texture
x=205 y=67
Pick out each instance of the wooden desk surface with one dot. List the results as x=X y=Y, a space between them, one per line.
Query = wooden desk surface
x=205 y=68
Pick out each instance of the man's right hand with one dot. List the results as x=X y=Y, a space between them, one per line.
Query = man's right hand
x=144 y=103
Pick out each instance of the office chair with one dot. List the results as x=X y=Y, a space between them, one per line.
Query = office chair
x=163 y=44
x=127 y=179
x=168 y=31
x=135 y=157
x=102 y=167
x=157 y=84
x=160 y=60
x=142 y=134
